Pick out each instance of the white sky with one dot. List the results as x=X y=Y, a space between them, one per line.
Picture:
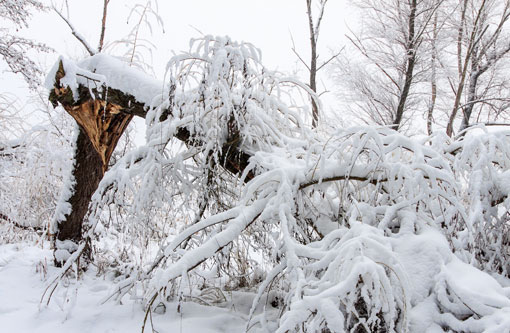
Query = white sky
x=268 y=24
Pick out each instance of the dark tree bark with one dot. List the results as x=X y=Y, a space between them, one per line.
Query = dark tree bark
x=411 y=61
x=313 y=60
x=101 y=124
x=103 y=25
x=88 y=172
x=314 y=28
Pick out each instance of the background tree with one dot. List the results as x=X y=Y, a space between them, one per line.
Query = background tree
x=481 y=44
x=14 y=49
x=314 y=25
x=458 y=50
x=33 y=168
x=433 y=37
x=29 y=172
x=383 y=83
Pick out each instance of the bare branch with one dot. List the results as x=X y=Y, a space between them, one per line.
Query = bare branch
x=365 y=53
x=330 y=59
x=79 y=37
x=297 y=54
x=103 y=26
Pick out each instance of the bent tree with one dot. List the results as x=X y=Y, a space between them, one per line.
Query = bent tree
x=354 y=229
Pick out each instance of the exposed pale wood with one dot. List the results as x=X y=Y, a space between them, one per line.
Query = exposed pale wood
x=103 y=123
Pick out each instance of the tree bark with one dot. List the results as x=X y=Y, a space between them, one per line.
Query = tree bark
x=473 y=41
x=411 y=61
x=314 y=36
x=87 y=173
x=468 y=109
x=433 y=80
x=313 y=66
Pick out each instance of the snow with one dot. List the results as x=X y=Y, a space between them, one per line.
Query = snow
x=425 y=259
x=478 y=290
x=24 y=272
x=422 y=257
x=436 y=274
x=104 y=70
x=63 y=207
x=504 y=183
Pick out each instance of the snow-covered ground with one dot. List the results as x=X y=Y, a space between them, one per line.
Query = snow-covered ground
x=24 y=273
x=80 y=306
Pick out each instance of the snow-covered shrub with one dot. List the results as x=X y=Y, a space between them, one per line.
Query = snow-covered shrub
x=481 y=164
x=32 y=169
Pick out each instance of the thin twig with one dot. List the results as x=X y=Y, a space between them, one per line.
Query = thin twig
x=75 y=33
x=297 y=54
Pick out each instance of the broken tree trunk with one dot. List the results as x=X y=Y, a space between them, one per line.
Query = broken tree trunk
x=101 y=125
x=103 y=115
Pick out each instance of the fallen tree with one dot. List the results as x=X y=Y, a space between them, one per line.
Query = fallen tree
x=358 y=230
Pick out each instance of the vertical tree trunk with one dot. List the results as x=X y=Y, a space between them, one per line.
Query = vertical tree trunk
x=468 y=109
x=472 y=47
x=101 y=124
x=313 y=61
x=411 y=61
x=433 y=79
x=87 y=173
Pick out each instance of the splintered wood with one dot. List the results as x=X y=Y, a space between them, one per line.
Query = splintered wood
x=104 y=124
x=102 y=121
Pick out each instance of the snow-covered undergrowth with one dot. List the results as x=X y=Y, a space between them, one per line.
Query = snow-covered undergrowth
x=359 y=230
x=80 y=307
x=32 y=169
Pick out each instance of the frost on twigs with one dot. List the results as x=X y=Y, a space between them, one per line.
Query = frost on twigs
x=14 y=49
x=347 y=230
x=33 y=170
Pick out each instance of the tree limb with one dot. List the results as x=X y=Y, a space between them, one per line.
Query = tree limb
x=79 y=37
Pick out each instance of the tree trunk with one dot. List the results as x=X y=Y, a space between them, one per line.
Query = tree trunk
x=313 y=60
x=87 y=173
x=101 y=124
x=411 y=61
x=468 y=109
x=433 y=80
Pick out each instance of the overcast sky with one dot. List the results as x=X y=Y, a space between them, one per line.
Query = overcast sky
x=268 y=24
